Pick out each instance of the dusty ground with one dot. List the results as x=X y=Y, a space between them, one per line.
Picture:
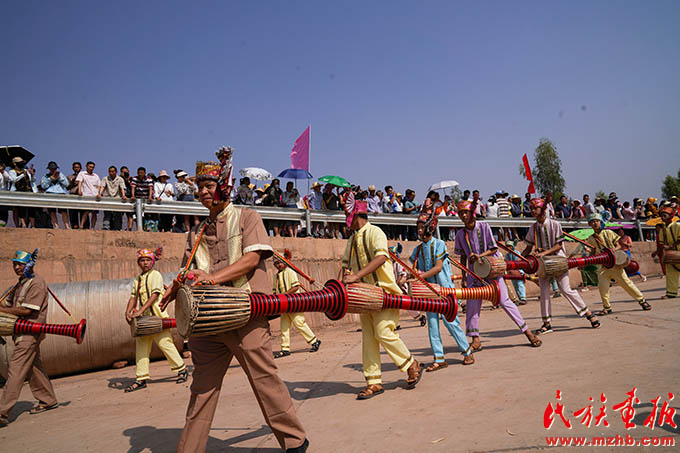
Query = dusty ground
x=495 y=405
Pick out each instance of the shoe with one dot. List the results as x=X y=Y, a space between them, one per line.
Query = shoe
x=423 y=320
x=522 y=302
x=279 y=354
x=301 y=449
x=556 y=295
x=315 y=346
x=137 y=385
x=182 y=376
x=3 y=421
x=398 y=327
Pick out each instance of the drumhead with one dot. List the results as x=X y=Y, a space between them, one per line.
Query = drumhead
x=621 y=258
x=183 y=311
x=482 y=267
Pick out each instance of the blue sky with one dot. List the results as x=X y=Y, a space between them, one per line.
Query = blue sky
x=401 y=93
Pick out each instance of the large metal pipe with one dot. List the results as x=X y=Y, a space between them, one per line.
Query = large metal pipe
x=108 y=339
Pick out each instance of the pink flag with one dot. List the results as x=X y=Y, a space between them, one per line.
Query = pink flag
x=299 y=156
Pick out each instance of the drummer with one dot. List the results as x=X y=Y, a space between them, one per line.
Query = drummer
x=232 y=252
x=669 y=236
x=147 y=290
x=366 y=260
x=430 y=259
x=546 y=236
x=601 y=239
x=286 y=282
x=27 y=300
x=473 y=242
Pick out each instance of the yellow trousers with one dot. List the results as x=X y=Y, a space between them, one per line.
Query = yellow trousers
x=300 y=324
x=672 y=276
x=378 y=329
x=617 y=273
x=164 y=342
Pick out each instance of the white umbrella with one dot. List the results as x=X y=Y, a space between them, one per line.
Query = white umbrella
x=256 y=173
x=443 y=185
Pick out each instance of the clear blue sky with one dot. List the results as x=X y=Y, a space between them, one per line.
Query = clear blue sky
x=401 y=93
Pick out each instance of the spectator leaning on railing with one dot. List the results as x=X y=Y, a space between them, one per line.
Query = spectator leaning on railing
x=563 y=209
x=112 y=186
x=55 y=182
x=74 y=214
x=88 y=185
x=22 y=180
x=184 y=191
x=164 y=191
x=125 y=174
x=588 y=207
x=4 y=187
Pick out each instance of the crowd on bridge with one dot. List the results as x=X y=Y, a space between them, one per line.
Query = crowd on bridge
x=160 y=187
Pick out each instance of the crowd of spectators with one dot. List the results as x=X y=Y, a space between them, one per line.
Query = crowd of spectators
x=119 y=183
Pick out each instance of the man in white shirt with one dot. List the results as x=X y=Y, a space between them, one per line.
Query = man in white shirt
x=163 y=190
x=373 y=201
x=315 y=200
x=113 y=186
x=587 y=205
x=88 y=185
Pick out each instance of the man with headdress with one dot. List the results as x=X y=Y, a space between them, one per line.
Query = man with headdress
x=599 y=240
x=147 y=291
x=366 y=260
x=430 y=258
x=669 y=239
x=286 y=282
x=231 y=251
x=475 y=241
x=546 y=236
x=27 y=300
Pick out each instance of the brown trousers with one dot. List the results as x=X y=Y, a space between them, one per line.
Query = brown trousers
x=25 y=363
x=251 y=345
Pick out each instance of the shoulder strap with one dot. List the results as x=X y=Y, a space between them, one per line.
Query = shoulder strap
x=368 y=255
x=24 y=290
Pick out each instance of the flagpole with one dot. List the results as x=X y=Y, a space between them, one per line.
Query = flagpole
x=309 y=155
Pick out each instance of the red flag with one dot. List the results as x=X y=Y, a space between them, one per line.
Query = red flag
x=527 y=170
x=299 y=156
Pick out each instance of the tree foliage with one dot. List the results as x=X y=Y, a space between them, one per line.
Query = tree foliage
x=601 y=194
x=671 y=186
x=547 y=170
x=456 y=194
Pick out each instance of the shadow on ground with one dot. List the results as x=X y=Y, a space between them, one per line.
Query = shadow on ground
x=155 y=440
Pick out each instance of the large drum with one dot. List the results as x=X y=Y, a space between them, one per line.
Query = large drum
x=621 y=258
x=149 y=325
x=364 y=298
x=209 y=310
x=671 y=256
x=552 y=266
x=489 y=267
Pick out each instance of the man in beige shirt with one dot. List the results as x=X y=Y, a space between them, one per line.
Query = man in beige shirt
x=113 y=186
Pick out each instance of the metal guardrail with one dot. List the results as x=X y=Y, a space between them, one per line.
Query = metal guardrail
x=45 y=200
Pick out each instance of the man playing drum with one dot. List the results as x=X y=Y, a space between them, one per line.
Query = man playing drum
x=147 y=290
x=669 y=236
x=546 y=236
x=232 y=252
x=473 y=242
x=430 y=259
x=27 y=300
x=599 y=240
x=286 y=282
x=366 y=260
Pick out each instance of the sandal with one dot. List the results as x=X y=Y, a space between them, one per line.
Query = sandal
x=469 y=359
x=42 y=407
x=535 y=342
x=645 y=305
x=423 y=320
x=594 y=323
x=4 y=421
x=436 y=366
x=315 y=346
x=279 y=354
x=415 y=374
x=370 y=391
x=135 y=386
x=182 y=376
x=605 y=312
x=545 y=328
x=477 y=348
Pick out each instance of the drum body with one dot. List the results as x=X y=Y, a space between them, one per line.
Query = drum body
x=633 y=267
x=621 y=258
x=489 y=267
x=552 y=266
x=364 y=298
x=7 y=322
x=146 y=325
x=209 y=310
x=671 y=256
x=419 y=289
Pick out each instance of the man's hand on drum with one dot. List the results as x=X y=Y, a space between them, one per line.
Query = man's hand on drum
x=199 y=276
x=473 y=257
x=350 y=278
x=128 y=316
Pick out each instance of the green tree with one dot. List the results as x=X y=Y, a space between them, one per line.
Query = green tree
x=601 y=194
x=671 y=186
x=547 y=171
x=456 y=194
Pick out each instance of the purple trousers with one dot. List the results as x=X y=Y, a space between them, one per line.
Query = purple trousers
x=474 y=307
